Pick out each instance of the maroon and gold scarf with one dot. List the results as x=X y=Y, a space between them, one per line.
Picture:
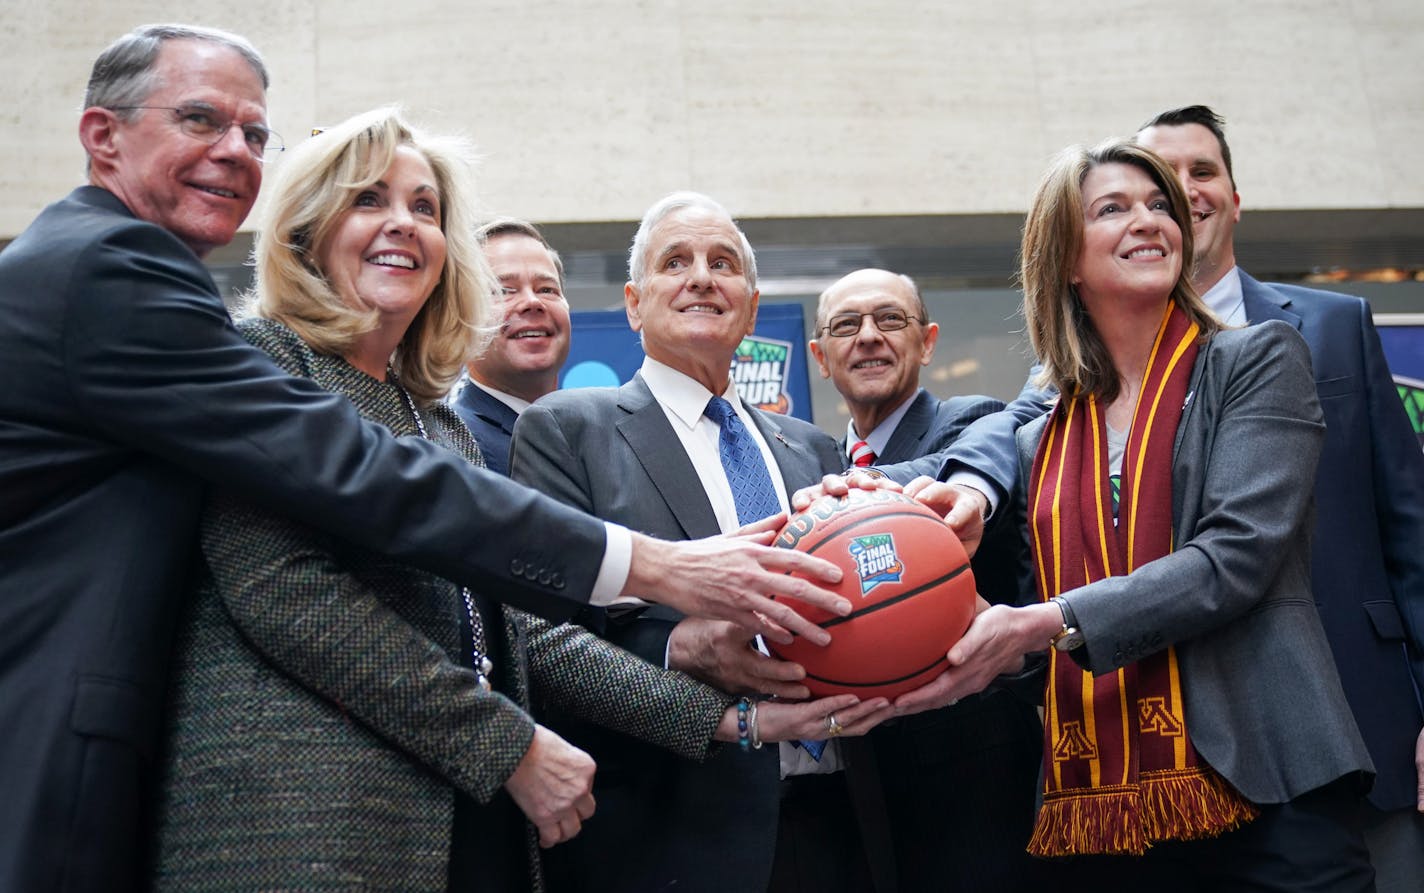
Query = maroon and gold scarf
x=1119 y=769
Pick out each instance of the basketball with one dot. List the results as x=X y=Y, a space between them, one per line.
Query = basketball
x=909 y=583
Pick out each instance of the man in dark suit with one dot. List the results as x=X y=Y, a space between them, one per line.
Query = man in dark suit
x=1367 y=561
x=960 y=782
x=648 y=455
x=128 y=389
x=522 y=361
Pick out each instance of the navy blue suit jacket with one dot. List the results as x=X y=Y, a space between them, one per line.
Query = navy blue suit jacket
x=491 y=421
x=1367 y=557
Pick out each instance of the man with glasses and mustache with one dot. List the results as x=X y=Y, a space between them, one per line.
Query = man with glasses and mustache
x=128 y=390
x=981 y=754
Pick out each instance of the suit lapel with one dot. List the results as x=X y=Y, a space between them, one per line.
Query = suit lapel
x=654 y=444
x=904 y=442
x=488 y=408
x=1263 y=302
x=799 y=467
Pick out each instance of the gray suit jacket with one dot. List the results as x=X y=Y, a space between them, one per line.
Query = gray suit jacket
x=709 y=826
x=1263 y=701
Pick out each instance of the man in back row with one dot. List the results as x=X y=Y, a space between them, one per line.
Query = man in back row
x=129 y=391
x=873 y=336
x=522 y=361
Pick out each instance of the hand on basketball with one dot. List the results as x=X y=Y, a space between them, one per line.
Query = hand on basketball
x=736 y=579
x=839 y=485
x=810 y=720
x=995 y=644
x=722 y=654
x=961 y=507
x=553 y=787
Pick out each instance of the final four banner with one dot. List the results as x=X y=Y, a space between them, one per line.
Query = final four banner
x=769 y=367
x=1402 y=336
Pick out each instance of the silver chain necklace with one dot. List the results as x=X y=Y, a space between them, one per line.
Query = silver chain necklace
x=483 y=666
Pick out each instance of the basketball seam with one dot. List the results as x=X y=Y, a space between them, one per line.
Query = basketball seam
x=876 y=684
x=897 y=599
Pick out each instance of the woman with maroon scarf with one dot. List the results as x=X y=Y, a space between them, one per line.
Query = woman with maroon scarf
x=1196 y=737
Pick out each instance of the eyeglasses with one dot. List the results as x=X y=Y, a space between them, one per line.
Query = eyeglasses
x=206 y=124
x=887 y=319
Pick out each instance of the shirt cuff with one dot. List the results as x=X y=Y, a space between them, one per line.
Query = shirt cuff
x=613 y=572
x=980 y=483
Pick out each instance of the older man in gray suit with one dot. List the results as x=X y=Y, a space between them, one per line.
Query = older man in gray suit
x=675 y=452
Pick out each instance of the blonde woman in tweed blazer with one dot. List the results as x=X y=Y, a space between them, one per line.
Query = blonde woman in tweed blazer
x=327 y=727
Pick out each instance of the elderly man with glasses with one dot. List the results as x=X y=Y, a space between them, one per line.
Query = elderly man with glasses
x=959 y=782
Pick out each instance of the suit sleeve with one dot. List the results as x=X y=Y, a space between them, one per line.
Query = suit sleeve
x=295 y=604
x=576 y=671
x=1264 y=441
x=152 y=361
x=1398 y=490
x=986 y=447
x=543 y=455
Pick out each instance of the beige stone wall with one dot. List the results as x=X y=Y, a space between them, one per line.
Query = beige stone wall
x=588 y=111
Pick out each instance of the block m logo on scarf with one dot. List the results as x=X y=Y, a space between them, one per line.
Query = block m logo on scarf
x=1073 y=744
x=1154 y=718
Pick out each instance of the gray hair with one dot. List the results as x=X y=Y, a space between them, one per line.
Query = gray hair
x=123 y=74
x=638 y=254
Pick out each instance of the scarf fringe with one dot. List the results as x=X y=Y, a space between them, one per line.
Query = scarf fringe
x=1105 y=820
x=1172 y=805
x=1191 y=804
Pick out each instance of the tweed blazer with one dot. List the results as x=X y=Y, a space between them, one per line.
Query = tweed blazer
x=1263 y=701
x=323 y=714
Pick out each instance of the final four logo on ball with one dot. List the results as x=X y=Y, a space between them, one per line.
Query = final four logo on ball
x=875 y=560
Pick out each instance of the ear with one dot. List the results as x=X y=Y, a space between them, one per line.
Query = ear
x=630 y=306
x=814 y=346
x=99 y=135
x=751 y=320
x=931 y=339
x=1236 y=206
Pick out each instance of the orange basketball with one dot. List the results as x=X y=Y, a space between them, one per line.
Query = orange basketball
x=908 y=580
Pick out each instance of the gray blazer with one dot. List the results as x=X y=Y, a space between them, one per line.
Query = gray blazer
x=1263 y=700
x=709 y=826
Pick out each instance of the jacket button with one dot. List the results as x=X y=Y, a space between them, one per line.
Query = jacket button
x=544 y=578
x=516 y=567
x=558 y=581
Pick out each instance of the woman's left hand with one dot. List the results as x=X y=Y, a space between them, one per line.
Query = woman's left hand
x=995 y=644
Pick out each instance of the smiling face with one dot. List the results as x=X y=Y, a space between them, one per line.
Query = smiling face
x=1132 y=246
x=533 y=340
x=694 y=304
x=199 y=192
x=387 y=250
x=873 y=370
x=1192 y=151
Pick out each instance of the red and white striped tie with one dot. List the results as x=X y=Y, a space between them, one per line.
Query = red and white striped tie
x=862 y=455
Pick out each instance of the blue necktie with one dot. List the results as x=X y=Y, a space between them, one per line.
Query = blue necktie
x=752 y=491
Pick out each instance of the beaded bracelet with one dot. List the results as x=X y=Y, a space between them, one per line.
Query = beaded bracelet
x=743 y=705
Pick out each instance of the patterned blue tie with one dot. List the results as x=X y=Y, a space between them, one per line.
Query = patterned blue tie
x=752 y=491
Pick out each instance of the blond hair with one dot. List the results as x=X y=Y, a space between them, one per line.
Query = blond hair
x=1072 y=353
x=313 y=189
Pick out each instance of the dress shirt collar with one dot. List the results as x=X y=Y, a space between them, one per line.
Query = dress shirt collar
x=1226 y=299
x=879 y=439
x=682 y=396
x=518 y=404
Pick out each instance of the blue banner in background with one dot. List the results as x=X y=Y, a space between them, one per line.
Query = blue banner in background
x=770 y=366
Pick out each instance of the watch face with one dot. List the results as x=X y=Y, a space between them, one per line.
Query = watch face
x=1068 y=640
